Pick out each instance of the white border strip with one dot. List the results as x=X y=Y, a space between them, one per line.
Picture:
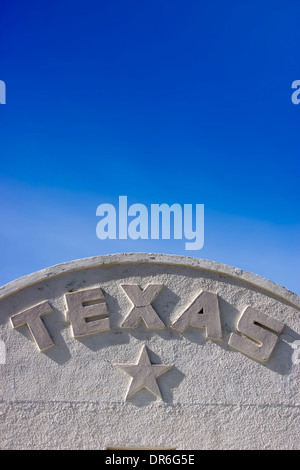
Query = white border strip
x=152 y=258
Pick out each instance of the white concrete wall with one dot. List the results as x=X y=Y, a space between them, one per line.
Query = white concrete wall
x=72 y=396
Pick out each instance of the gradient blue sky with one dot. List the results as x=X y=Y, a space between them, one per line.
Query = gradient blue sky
x=163 y=101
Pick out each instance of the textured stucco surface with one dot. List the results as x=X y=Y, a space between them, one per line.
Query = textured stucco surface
x=72 y=396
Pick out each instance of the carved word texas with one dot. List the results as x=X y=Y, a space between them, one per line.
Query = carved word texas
x=256 y=336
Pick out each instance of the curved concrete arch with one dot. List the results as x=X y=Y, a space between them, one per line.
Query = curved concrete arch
x=148 y=350
x=151 y=258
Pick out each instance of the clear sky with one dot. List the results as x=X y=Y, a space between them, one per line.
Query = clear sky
x=163 y=101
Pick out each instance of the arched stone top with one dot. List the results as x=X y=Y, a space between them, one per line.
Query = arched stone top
x=151 y=258
x=206 y=354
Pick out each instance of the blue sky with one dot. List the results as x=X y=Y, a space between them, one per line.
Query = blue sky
x=163 y=101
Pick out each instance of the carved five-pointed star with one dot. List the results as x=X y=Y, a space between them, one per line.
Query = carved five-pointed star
x=144 y=374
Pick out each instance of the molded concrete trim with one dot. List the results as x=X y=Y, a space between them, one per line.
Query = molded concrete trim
x=151 y=258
